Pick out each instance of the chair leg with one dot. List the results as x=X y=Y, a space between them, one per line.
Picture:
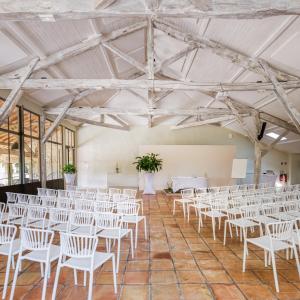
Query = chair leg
x=75 y=276
x=213 y=221
x=131 y=242
x=84 y=278
x=13 y=262
x=274 y=271
x=296 y=258
x=136 y=234
x=114 y=273
x=225 y=228
x=6 y=276
x=145 y=228
x=174 y=204
x=56 y=280
x=45 y=281
x=90 y=295
x=42 y=269
x=15 y=279
x=118 y=254
x=245 y=255
x=188 y=214
x=183 y=207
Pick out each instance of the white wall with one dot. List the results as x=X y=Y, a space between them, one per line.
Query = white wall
x=100 y=149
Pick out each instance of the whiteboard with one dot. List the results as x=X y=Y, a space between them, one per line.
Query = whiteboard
x=239 y=168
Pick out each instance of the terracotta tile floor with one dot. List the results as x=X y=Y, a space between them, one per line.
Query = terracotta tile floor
x=174 y=263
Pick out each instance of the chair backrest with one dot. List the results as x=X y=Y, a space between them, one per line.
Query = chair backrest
x=112 y=191
x=11 y=197
x=250 y=212
x=201 y=191
x=81 y=219
x=120 y=198
x=104 y=206
x=130 y=192
x=65 y=203
x=58 y=215
x=34 y=200
x=128 y=208
x=84 y=204
x=22 y=199
x=108 y=221
x=90 y=195
x=51 y=193
x=36 y=213
x=16 y=211
x=78 y=246
x=49 y=201
x=63 y=193
x=42 y=191
x=102 y=197
x=187 y=193
x=280 y=230
x=36 y=239
x=7 y=233
x=219 y=204
x=270 y=209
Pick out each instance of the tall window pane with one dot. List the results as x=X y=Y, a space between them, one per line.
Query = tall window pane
x=4 y=158
x=14 y=159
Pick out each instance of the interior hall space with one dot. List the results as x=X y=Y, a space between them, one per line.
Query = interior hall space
x=149 y=150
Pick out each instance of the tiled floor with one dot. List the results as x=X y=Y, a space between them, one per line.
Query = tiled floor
x=174 y=263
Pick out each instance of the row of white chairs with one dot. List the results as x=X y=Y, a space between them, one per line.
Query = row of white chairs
x=78 y=252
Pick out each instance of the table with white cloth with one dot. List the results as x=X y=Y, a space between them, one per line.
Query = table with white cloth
x=181 y=182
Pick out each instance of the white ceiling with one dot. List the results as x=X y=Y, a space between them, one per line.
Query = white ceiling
x=275 y=39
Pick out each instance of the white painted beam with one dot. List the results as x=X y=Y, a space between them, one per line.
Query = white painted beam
x=16 y=93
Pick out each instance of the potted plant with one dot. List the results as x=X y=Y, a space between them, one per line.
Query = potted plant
x=70 y=174
x=149 y=163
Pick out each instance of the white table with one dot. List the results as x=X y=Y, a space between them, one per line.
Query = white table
x=180 y=182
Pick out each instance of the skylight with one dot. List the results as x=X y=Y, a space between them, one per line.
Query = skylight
x=274 y=136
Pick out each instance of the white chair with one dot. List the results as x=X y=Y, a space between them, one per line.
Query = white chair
x=16 y=214
x=109 y=227
x=51 y=192
x=9 y=247
x=121 y=198
x=36 y=217
x=130 y=212
x=79 y=253
x=102 y=197
x=58 y=219
x=112 y=191
x=62 y=194
x=200 y=202
x=11 y=197
x=218 y=207
x=279 y=237
x=81 y=222
x=3 y=212
x=244 y=222
x=187 y=196
x=36 y=246
x=42 y=192
x=131 y=193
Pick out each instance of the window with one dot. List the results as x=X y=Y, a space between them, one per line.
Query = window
x=274 y=136
x=10 y=172
x=54 y=153
x=70 y=146
x=31 y=125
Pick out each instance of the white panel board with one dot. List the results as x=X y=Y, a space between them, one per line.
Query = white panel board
x=239 y=168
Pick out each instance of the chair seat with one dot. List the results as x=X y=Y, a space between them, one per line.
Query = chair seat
x=242 y=222
x=295 y=214
x=83 y=230
x=41 y=255
x=4 y=249
x=4 y=217
x=265 y=243
x=264 y=219
x=60 y=227
x=132 y=218
x=200 y=205
x=282 y=216
x=113 y=233
x=84 y=263
x=17 y=221
x=183 y=201
x=214 y=214
x=39 y=224
x=234 y=211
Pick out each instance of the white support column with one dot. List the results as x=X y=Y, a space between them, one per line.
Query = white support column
x=16 y=93
x=43 y=152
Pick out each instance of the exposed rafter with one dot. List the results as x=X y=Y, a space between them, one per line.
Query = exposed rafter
x=158 y=85
x=16 y=93
x=282 y=95
x=218 y=49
